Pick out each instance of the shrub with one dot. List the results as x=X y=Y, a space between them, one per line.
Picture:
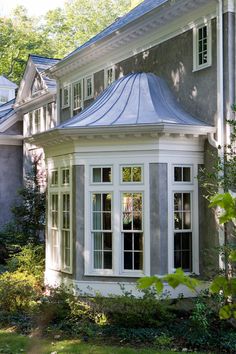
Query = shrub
x=18 y=292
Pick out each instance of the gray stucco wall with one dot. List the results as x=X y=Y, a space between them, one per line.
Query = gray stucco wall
x=159 y=218
x=10 y=179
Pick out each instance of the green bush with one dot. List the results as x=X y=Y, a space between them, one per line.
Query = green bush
x=29 y=260
x=19 y=291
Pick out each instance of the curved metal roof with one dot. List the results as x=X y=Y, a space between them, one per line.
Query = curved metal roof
x=135 y=99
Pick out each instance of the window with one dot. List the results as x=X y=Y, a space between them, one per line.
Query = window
x=65 y=176
x=132 y=231
x=202 y=46
x=60 y=232
x=109 y=76
x=77 y=96
x=37 y=121
x=88 y=87
x=182 y=231
x=54 y=178
x=4 y=95
x=131 y=174
x=102 y=230
x=65 y=96
x=101 y=175
x=182 y=174
x=54 y=231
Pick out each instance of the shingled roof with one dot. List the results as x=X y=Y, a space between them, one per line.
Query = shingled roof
x=135 y=99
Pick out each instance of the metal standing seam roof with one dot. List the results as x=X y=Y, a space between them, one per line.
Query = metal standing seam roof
x=43 y=63
x=140 y=10
x=4 y=82
x=135 y=99
x=7 y=110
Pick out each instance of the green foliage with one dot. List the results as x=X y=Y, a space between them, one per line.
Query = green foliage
x=29 y=260
x=227 y=203
x=174 y=280
x=18 y=292
x=164 y=341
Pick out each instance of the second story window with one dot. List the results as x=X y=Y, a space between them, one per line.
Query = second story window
x=109 y=76
x=202 y=46
x=77 y=95
x=65 y=96
x=88 y=81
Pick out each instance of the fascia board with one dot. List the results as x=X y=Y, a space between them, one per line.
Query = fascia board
x=31 y=102
x=11 y=139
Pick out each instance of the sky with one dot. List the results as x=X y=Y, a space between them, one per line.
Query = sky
x=34 y=7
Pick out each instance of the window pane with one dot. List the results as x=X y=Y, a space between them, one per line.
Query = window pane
x=98 y=259
x=106 y=174
x=137 y=221
x=128 y=241
x=138 y=242
x=178 y=221
x=178 y=174
x=127 y=202
x=54 y=180
x=96 y=175
x=138 y=260
x=97 y=221
x=107 y=241
x=65 y=176
x=178 y=201
x=126 y=174
x=186 y=201
x=137 y=174
x=97 y=202
x=128 y=260
x=98 y=241
x=177 y=242
x=187 y=220
x=106 y=221
x=186 y=174
x=107 y=260
x=137 y=202
x=127 y=221
x=106 y=202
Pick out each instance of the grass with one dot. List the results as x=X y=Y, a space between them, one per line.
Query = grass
x=12 y=343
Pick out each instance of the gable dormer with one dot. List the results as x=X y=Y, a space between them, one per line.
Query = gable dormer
x=37 y=85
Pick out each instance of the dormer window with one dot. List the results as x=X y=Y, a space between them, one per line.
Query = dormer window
x=88 y=81
x=109 y=76
x=202 y=46
x=37 y=84
x=65 y=96
x=77 y=96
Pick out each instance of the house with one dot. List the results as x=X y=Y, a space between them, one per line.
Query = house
x=11 y=154
x=36 y=107
x=138 y=107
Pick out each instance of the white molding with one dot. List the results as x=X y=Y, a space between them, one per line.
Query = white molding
x=196 y=65
x=16 y=140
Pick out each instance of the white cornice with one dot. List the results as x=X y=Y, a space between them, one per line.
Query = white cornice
x=35 y=101
x=159 y=25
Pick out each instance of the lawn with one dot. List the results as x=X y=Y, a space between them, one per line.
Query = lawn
x=11 y=343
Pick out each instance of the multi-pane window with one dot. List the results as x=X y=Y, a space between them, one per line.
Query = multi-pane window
x=132 y=231
x=65 y=176
x=65 y=231
x=37 y=121
x=183 y=231
x=77 y=95
x=102 y=230
x=88 y=87
x=65 y=96
x=109 y=76
x=60 y=233
x=202 y=46
x=101 y=175
x=182 y=174
x=54 y=230
x=131 y=174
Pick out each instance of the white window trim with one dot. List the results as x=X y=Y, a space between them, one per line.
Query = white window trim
x=132 y=183
x=106 y=76
x=116 y=189
x=87 y=97
x=60 y=189
x=196 y=65
x=181 y=182
x=101 y=183
x=63 y=104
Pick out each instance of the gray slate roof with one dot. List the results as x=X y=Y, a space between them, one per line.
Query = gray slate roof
x=5 y=82
x=142 y=9
x=135 y=99
x=43 y=63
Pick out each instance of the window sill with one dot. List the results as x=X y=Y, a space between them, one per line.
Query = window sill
x=198 y=68
x=125 y=275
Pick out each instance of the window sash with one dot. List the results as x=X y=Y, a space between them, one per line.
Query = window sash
x=65 y=96
x=77 y=95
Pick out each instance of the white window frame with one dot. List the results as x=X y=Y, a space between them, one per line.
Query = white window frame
x=86 y=96
x=131 y=166
x=60 y=189
x=106 y=84
x=65 y=104
x=182 y=166
x=101 y=167
x=75 y=108
x=196 y=65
